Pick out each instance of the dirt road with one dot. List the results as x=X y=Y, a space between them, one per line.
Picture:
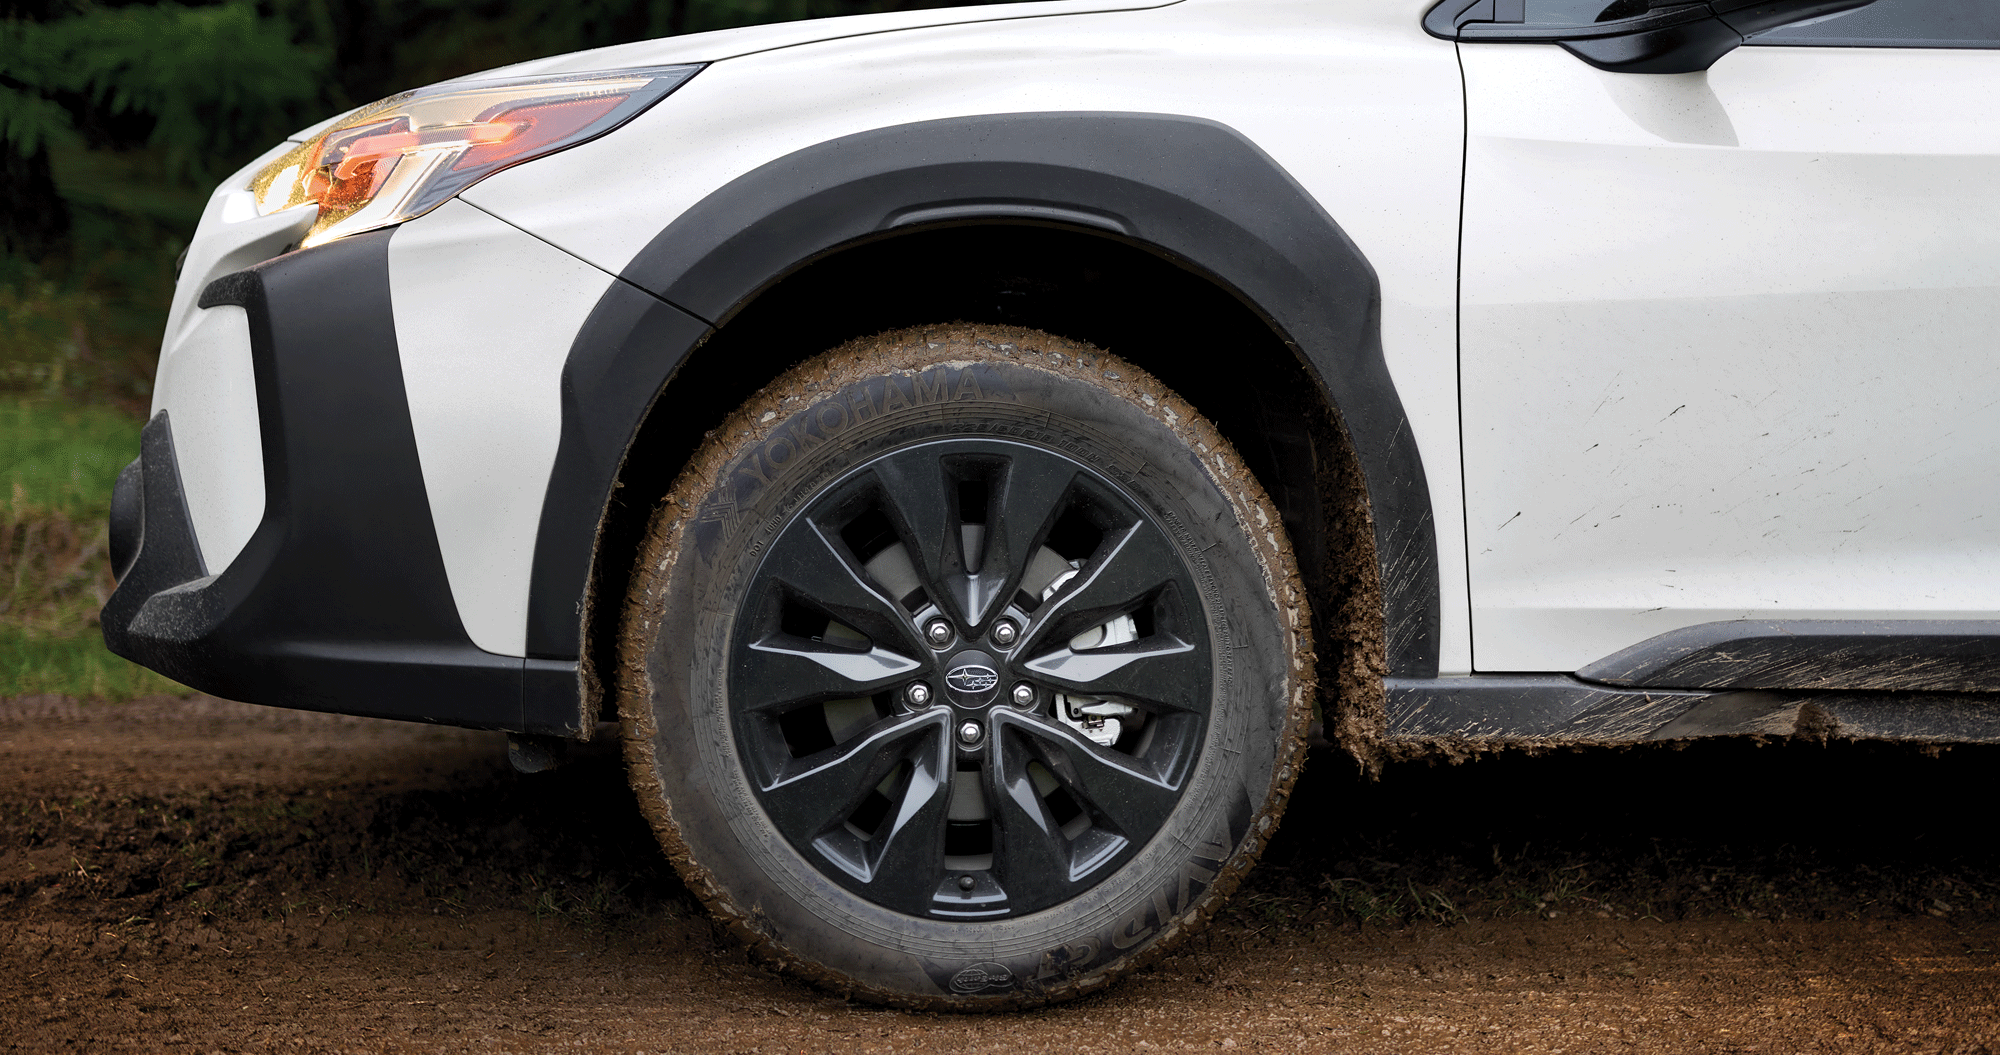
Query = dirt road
x=204 y=876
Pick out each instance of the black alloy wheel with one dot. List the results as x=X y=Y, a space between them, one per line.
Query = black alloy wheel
x=964 y=668
x=905 y=679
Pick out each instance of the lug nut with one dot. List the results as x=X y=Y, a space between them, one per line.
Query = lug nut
x=938 y=632
x=1024 y=694
x=919 y=694
x=968 y=733
x=967 y=882
x=1004 y=632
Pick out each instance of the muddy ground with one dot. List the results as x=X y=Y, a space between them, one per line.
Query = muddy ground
x=203 y=876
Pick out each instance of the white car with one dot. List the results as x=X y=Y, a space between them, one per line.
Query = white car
x=962 y=447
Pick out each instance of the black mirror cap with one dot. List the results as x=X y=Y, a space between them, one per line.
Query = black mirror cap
x=1686 y=48
x=1503 y=21
x=1676 y=38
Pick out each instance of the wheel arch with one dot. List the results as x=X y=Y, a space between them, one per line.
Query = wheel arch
x=1183 y=212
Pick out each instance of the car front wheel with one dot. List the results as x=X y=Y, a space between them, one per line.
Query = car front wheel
x=964 y=667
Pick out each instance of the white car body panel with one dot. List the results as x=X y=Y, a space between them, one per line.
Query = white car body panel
x=1369 y=121
x=205 y=380
x=485 y=316
x=230 y=237
x=1728 y=344
x=209 y=377
x=722 y=44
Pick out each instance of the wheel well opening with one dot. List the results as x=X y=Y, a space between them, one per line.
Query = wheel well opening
x=1183 y=327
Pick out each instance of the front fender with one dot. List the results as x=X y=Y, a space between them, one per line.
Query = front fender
x=1192 y=190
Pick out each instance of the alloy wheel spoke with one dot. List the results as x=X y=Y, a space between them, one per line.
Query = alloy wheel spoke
x=776 y=673
x=911 y=860
x=1129 y=568
x=810 y=566
x=1162 y=670
x=1028 y=498
x=1117 y=787
x=1030 y=851
x=915 y=484
x=812 y=795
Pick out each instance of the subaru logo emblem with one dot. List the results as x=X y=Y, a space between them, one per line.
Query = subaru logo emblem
x=972 y=678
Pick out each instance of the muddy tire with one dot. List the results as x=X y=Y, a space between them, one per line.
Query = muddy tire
x=964 y=668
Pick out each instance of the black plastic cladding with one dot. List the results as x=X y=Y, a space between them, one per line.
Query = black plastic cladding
x=1549 y=709
x=1191 y=190
x=1887 y=655
x=629 y=346
x=339 y=601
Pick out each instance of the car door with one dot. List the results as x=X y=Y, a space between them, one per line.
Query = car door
x=1728 y=337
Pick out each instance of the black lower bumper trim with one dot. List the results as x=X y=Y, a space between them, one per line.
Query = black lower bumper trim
x=339 y=601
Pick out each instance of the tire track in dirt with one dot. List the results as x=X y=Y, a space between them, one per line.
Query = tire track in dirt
x=201 y=875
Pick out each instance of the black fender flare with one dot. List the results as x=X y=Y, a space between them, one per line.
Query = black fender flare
x=1191 y=190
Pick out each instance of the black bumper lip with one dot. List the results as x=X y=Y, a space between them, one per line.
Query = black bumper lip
x=127 y=519
x=339 y=601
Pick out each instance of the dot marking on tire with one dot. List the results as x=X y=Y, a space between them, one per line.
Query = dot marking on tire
x=981 y=977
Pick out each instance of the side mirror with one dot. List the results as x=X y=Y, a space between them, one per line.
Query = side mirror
x=1627 y=36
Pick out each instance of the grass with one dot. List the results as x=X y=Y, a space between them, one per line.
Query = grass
x=75 y=665
x=56 y=457
x=58 y=463
x=83 y=327
x=79 y=335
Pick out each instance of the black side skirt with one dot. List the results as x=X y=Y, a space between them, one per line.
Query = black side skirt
x=1528 y=710
x=1877 y=655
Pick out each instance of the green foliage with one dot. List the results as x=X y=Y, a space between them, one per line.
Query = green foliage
x=67 y=341
x=30 y=122
x=114 y=122
x=212 y=80
x=216 y=80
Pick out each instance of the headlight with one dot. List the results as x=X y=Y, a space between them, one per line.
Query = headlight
x=399 y=158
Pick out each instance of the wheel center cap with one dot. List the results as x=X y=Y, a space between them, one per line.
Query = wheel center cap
x=971 y=678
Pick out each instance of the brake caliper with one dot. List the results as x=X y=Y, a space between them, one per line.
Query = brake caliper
x=1100 y=719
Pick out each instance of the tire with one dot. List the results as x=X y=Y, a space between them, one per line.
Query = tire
x=959 y=851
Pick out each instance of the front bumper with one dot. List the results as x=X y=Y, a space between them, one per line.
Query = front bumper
x=339 y=601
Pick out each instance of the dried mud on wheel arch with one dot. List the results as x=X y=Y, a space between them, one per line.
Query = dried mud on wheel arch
x=784 y=426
